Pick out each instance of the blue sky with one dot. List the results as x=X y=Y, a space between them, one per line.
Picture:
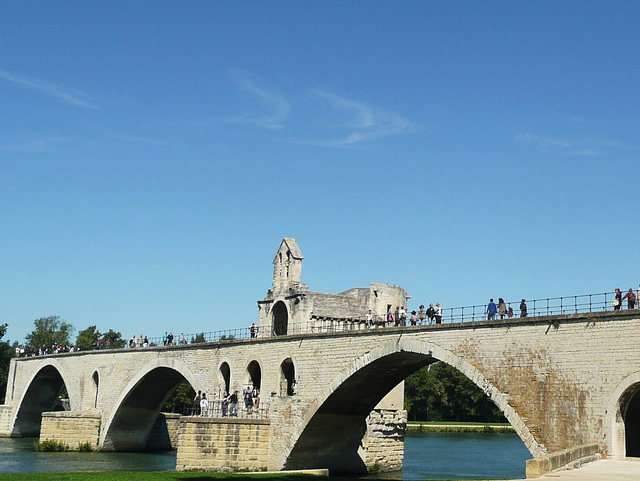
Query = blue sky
x=154 y=154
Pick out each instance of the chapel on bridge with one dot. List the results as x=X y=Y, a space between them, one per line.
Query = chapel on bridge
x=291 y=307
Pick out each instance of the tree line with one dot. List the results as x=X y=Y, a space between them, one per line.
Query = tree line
x=439 y=392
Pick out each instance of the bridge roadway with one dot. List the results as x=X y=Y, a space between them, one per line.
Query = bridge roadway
x=563 y=386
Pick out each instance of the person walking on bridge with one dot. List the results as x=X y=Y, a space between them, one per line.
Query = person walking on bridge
x=502 y=308
x=631 y=299
x=204 y=405
x=523 y=308
x=233 y=405
x=422 y=314
x=438 y=313
x=617 y=302
x=431 y=313
x=491 y=310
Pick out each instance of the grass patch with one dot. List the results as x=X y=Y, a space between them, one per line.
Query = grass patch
x=452 y=427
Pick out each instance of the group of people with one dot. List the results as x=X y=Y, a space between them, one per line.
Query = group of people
x=503 y=311
x=228 y=404
x=167 y=340
x=630 y=296
x=399 y=316
x=55 y=348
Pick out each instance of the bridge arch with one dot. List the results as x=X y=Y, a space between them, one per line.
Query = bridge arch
x=139 y=404
x=348 y=399
x=41 y=395
x=622 y=418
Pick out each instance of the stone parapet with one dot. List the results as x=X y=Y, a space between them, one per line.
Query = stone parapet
x=214 y=444
x=565 y=459
x=72 y=428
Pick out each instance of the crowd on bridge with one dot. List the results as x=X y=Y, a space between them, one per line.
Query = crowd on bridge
x=399 y=316
x=228 y=405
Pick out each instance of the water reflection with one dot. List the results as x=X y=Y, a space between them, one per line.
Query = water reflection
x=19 y=456
x=427 y=456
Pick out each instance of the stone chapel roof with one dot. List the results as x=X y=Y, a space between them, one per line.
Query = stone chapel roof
x=292 y=245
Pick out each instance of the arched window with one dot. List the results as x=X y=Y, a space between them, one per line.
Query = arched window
x=225 y=371
x=287 y=378
x=280 y=319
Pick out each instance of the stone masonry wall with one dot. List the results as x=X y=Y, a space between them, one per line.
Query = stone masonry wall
x=71 y=427
x=558 y=386
x=223 y=444
x=164 y=433
x=5 y=420
x=383 y=443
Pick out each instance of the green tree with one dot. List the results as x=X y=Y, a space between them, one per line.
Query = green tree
x=48 y=331
x=181 y=397
x=6 y=353
x=442 y=393
x=88 y=339
x=113 y=339
x=198 y=338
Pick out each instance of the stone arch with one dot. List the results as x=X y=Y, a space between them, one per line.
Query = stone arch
x=287 y=377
x=139 y=404
x=254 y=374
x=96 y=386
x=41 y=395
x=375 y=373
x=280 y=319
x=225 y=372
x=622 y=418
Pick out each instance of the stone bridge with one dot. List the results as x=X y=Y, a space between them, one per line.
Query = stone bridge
x=561 y=381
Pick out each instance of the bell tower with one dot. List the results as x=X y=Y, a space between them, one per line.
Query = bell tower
x=287 y=266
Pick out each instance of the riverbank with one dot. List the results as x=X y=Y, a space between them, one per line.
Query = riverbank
x=454 y=427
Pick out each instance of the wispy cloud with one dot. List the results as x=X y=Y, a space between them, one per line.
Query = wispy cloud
x=579 y=148
x=69 y=96
x=33 y=146
x=275 y=107
x=363 y=122
x=541 y=141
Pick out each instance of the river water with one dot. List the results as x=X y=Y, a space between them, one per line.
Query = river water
x=427 y=456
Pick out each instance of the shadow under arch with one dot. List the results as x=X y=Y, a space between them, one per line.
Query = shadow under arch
x=332 y=430
x=41 y=396
x=140 y=403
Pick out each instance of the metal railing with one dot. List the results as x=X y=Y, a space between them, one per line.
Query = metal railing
x=220 y=409
x=323 y=324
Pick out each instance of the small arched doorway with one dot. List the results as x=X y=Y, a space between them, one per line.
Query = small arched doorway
x=631 y=416
x=280 y=319
x=225 y=371
x=287 y=378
